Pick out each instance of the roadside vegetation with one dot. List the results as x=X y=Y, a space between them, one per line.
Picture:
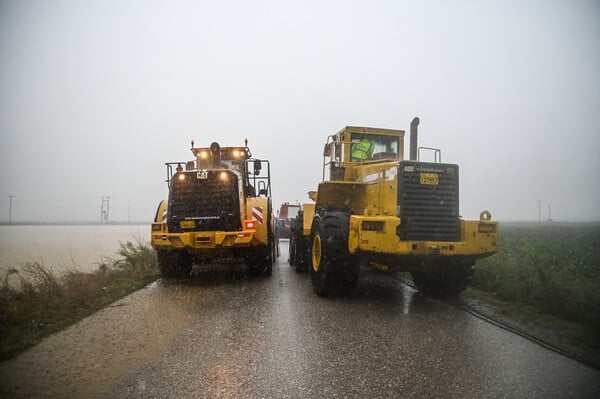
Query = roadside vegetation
x=36 y=302
x=547 y=275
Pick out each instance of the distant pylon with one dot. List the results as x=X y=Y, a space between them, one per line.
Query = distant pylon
x=104 y=207
x=10 y=209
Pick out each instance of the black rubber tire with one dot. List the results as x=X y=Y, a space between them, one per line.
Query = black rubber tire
x=174 y=263
x=444 y=282
x=261 y=259
x=333 y=271
x=299 y=248
x=295 y=224
x=292 y=254
x=302 y=255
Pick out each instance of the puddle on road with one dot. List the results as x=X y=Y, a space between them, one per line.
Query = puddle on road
x=408 y=294
x=95 y=353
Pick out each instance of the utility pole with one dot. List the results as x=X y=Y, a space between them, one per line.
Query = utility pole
x=10 y=197
x=104 y=210
x=539 y=211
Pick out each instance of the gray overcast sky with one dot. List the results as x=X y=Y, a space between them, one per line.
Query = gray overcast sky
x=96 y=95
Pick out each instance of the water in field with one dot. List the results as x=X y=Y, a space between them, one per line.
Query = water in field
x=60 y=247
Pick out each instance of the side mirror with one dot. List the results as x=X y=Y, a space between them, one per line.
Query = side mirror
x=327 y=150
x=257 y=166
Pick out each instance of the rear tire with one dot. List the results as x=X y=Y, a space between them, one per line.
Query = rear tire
x=445 y=282
x=333 y=270
x=261 y=259
x=299 y=248
x=174 y=263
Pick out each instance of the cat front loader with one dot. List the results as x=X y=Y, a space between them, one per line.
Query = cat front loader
x=219 y=206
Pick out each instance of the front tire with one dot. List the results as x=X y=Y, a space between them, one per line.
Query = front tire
x=174 y=263
x=333 y=271
x=261 y=259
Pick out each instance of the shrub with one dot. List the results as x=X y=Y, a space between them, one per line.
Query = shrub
x=41 y=302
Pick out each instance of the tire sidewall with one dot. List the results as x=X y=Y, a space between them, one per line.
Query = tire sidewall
x=318 y=276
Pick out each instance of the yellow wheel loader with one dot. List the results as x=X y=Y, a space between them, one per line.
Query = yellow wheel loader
x=374 y=208
x=219 y=205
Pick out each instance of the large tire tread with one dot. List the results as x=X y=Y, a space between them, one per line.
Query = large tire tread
x=444 y=282
x=261 y=259
x=337 y=273
x=299 y=250
x=174 y=263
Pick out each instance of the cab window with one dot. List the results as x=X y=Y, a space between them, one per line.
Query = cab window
x=371 y=147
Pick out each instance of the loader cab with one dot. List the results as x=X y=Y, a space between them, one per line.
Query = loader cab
x=354 y=146
x=255 y=173
x=253 y=176
x=216 y=157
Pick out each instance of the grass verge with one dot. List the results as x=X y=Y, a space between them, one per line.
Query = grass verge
x=575 y=338
x=546 y=276
x=35 y=302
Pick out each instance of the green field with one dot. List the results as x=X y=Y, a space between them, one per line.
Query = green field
x=551 y=268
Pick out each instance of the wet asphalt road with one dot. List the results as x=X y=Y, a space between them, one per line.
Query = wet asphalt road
x=271 y=337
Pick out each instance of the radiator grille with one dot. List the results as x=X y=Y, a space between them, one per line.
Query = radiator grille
x=428 y=201
x=208 y=199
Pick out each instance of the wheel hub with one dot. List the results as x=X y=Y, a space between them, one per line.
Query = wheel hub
x=316 y=252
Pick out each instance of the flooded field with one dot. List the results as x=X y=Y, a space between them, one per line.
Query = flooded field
x=81 y=247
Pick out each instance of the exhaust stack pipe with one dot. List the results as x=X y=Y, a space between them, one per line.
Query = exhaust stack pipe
x=413 y=138
x=215 y=155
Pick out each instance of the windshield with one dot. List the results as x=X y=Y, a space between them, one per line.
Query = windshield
x=369 y=147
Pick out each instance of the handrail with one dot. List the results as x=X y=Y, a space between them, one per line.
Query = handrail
x=437 y=156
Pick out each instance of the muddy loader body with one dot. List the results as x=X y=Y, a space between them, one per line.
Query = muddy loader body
x=219 y=205
x=374 y=208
